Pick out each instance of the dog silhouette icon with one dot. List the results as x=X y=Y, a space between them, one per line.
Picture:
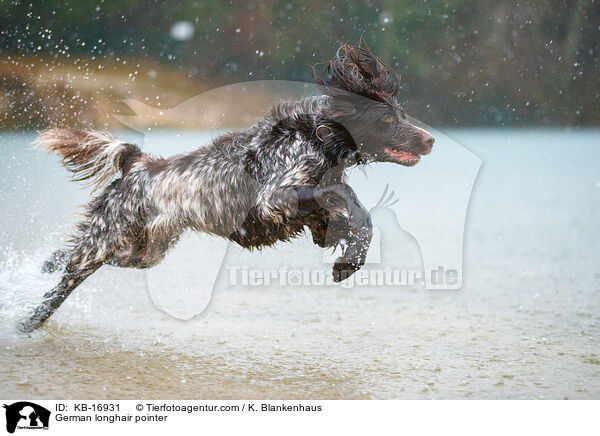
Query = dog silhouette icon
x=26 y=414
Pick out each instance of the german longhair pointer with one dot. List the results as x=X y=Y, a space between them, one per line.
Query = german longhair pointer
x=254 y=187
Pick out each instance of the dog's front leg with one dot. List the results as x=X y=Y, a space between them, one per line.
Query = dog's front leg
x=355 y=246
x=333 y=213
x=338 y=218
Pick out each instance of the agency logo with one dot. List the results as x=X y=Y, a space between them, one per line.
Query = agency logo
x=418 y=214
x=26 y=415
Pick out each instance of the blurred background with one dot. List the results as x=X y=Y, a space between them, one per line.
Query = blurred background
x=463 y=63
x=515 y=83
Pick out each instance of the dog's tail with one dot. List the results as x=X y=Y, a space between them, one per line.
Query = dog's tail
x=93 y=156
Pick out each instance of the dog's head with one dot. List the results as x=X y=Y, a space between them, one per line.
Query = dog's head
x=364 y=101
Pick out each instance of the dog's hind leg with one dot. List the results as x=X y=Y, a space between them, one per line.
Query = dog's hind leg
x=56 y=261
x=107 y=229
x=88 y=254
x=74 y=274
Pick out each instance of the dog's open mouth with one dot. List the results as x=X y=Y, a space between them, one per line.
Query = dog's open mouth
x=402 y=157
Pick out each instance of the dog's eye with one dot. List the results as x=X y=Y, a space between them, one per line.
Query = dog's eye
x=387 y=119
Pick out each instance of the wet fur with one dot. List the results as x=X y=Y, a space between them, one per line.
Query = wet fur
x=256 y=186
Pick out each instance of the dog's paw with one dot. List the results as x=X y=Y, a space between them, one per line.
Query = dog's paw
x=50 y=267
x=25 y=327
x=57 y=261
x=344 y=268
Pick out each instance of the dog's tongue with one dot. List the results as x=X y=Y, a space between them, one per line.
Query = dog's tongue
x=405 y=155
x=401 y=155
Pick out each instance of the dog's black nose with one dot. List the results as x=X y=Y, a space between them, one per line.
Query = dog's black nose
x=427 y=140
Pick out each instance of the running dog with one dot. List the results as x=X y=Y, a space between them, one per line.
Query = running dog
x=254 y=187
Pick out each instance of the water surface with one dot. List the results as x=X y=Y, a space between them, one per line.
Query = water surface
x=524 y=325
